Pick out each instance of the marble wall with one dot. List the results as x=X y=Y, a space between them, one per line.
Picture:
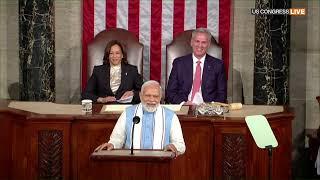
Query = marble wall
x=37 y=50
x=271 y=71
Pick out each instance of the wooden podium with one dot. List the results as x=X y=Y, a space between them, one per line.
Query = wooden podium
x=59 y=144
x=120 y=164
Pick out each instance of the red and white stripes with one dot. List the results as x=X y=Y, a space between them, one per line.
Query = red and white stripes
x=155 y=23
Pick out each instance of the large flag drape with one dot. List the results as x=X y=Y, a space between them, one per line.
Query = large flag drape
x=155 y=23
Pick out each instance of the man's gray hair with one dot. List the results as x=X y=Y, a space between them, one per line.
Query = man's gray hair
x=202 y=30
x=150 y=83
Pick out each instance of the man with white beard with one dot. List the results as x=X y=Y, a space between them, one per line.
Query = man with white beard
x=159 y=127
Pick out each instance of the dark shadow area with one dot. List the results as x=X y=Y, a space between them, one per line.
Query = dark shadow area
x=303 y=167
x=14 y=91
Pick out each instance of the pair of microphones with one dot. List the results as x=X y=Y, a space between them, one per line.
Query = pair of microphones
x=135 y=120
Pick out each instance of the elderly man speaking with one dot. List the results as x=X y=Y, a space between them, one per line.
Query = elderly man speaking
x=159 y=127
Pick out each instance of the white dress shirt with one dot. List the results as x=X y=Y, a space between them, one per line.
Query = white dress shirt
x=115 y=77
x=198 y=95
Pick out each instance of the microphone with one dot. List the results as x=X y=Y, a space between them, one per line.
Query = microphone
x=135 y=120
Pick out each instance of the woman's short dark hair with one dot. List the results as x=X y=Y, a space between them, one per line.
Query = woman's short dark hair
x=108 y=49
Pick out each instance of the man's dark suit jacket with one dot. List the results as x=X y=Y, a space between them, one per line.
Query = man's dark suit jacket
x=99 y=83
x=213 y=85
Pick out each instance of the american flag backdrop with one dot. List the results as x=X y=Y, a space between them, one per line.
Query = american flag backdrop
x=155 y=23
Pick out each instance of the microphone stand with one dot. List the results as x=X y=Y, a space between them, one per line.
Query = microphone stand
x=269 y=148
x=136 y=120
x=132 y=139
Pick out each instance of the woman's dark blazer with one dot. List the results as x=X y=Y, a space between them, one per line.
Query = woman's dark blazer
x=99 y=83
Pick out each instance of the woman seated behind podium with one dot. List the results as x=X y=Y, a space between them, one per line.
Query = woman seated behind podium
x=115 y=79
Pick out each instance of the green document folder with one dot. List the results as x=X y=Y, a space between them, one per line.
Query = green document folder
x=261 y=131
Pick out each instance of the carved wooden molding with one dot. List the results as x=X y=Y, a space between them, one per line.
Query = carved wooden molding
x=234 y=153
x=50 y=154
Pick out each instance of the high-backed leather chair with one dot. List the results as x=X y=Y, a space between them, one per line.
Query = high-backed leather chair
x=180 y=46
x=130 y=42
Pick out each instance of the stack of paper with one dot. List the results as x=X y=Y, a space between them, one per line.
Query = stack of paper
x=125 y=100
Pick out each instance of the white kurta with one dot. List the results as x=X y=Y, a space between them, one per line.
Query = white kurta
x=118 y=135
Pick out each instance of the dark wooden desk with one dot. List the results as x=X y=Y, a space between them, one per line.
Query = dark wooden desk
x=37 y=146
x=120 y=164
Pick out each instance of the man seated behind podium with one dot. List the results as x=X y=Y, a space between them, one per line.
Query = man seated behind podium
x=159 y=127
x=115 y=79
x=197 y=77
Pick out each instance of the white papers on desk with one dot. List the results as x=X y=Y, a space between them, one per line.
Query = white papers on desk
x=125 y=100
x=116 y=107
x=173 y=107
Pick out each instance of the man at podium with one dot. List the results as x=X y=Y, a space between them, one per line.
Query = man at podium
x=159 y=127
